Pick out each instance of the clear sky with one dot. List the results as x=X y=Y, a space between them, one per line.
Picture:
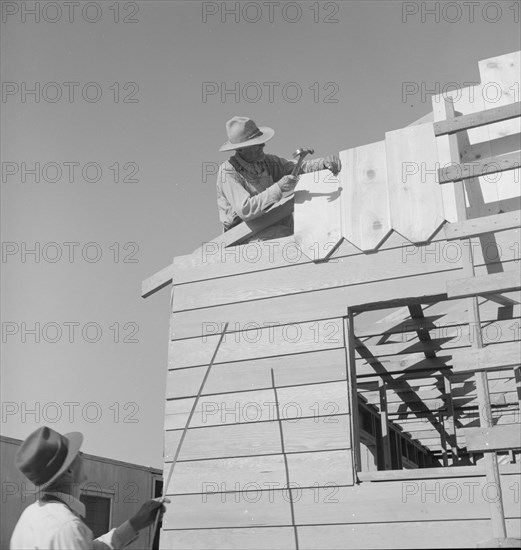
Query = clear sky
x=135 y=91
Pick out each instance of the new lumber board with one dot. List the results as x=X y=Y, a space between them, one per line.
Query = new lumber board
x=311 y=306
x=415 y=198
x=269 y=342
x=214 y=261
x=474 y=120
x=393 y=501
x=259 y=438
x=436 y=320
x=423 y=534
x=262 y=472
x=245 y=538
x=495 y=438
x=482 y=167
x=479 y=226
x=482 y=285
x=366 y=220
x=317 y=217
x=289 y=370
x=316 y=401
x=361 y=269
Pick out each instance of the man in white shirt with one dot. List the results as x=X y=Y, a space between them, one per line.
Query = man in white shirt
x=53 y=462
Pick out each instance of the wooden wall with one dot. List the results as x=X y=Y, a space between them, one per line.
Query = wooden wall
x=128 y=486
x=286 y=313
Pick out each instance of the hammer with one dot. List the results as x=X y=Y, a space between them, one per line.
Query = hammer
x=300 y=154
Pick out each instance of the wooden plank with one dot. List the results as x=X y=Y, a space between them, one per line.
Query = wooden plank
x=317 y=216
x=290 y=370
x=495 y=438
x=500 y=86
x=435 y=473
x=242 y=509
x=268 y=342
x=436 y=319
x=484 y=284
x=474 y=120
x=392 y=501
x=424 y=534
x=366 y=220
x=262 y=472
x=386 y=265
x=259 y=438
x=463 y=360
x=416 y=202
x=479 y=226
x=384 y=424
x=156 y=282
x=319 y=401
x=492 y=165
x=247 y=538
x=215 y=261
x=405 y=501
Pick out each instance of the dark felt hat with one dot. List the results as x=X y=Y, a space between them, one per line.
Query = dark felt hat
x=46 y=454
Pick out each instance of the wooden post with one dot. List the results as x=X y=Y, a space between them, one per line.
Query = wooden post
x=386 y=442
x=349 y=338
x=450 y=425
x=443 y=441
x=491 y=466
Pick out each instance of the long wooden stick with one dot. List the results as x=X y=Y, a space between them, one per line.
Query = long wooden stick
x=185 y=429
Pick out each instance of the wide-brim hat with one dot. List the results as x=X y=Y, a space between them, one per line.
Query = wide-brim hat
x=243 y=132
x=45 y=455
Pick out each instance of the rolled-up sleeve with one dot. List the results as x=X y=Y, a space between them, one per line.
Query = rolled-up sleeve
x=246 y=206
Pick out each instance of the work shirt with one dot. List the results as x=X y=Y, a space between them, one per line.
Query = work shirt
x=54 y=523
x=246 y=190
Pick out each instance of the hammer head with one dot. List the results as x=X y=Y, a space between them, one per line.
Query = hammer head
x=301 y=153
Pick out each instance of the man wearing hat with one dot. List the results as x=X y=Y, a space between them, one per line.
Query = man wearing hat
x=250 y=181
x=53 y=462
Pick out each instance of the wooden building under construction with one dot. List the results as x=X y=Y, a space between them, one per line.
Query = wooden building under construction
x=366 y=392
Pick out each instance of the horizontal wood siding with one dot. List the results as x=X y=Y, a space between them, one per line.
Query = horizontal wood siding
x=286 y=314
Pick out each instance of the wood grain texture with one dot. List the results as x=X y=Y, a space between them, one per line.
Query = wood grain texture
x=216 y=262
x=392 y=501
x=317 y=216
x=366 y=218
x=267 y=342
x=315 y=400
x=260 y=438
x=500 y=85
x=262 y=472
x=248 y=538
x=478 y=168
x=479 y=226
x=473 y=120
x=361 y=269
x=289 y=370
x=405 y=501
x=423 y=534
x=496 y=438
x=415 y=197
x=484 y=284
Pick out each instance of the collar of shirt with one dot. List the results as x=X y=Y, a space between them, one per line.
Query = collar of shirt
x=73 y=503
x=253 y=169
